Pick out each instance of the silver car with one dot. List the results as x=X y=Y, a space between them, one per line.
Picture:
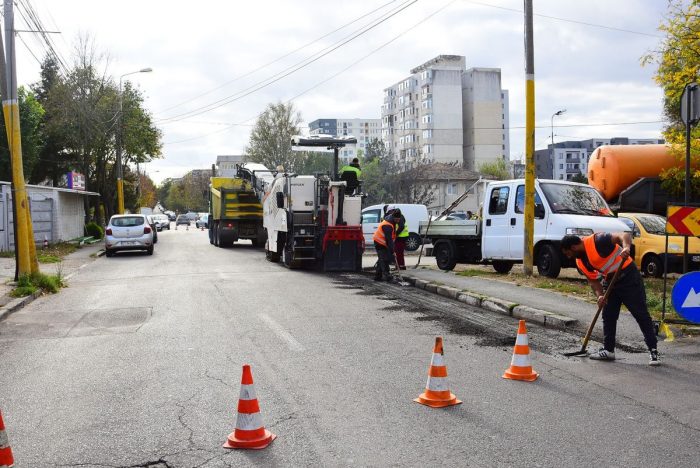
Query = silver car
x=128 y=232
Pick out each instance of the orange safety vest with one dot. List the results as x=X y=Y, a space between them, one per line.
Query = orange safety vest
x=379 y=233
x=604 y=265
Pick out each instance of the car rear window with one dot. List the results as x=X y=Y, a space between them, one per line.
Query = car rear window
x=128 y=221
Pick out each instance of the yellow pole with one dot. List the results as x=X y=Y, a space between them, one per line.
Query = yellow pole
x=26 y=250
x=529 y=227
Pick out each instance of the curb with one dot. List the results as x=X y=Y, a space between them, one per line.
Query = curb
x=17 y=304
x=494 y=304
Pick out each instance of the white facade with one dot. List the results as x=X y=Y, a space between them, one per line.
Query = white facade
x=445 y=113
x=569 y=162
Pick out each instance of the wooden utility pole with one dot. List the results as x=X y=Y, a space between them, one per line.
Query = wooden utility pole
x=529 y=141
x=26 y=249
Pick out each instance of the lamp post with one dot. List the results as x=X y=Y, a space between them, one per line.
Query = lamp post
x=551 y=158
x=120 y=174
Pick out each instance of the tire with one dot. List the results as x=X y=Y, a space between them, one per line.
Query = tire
x=548 y=261
x=445 y=256
x=413 y=242
x=216 y=234
x=150 y=251
x=502 y=267
x=652 y=266
x=109 y=253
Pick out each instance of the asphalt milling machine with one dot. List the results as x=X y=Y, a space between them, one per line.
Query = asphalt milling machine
x=314 y=221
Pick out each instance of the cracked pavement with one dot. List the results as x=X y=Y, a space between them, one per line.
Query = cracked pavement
x=337 y=361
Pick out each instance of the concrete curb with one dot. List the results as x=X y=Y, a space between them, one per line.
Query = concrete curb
x=17 y=304
x=494 y=304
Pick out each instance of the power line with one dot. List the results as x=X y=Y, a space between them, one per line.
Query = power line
x=290 y=70
x=568 y=20
x=292 y=52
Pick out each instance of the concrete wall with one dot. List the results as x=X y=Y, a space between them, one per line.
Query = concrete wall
x=484 y=137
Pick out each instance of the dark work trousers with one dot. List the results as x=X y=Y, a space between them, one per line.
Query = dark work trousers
x=628 y=290
x=384 y=259
x=399 y=248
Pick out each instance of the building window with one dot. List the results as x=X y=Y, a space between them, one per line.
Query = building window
x=452 y=189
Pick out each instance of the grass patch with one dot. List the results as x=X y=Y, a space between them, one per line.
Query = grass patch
x=31 y=283
x=54 y=253
x=7 y=254
x=470 y=272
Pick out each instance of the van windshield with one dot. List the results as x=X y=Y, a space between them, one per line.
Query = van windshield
x=575 y=199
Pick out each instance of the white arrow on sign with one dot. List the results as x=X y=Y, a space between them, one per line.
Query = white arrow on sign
x=693 y=299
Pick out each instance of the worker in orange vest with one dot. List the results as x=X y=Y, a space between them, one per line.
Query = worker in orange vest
x=384 y=238
x=599 y=256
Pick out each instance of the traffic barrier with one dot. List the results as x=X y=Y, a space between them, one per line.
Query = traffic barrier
x=250 y=433
x=437 y=393
x=520 y=365
x=6 y=460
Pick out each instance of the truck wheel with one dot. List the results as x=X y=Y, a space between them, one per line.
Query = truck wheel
x=412 y=242
x=502 y=267
x=652 y=266
x=444 y=256
x=548 y=261
x=287 y=256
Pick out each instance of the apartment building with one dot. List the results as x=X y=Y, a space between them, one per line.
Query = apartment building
x=365 y=130
x=564 y=160
x=445 y=113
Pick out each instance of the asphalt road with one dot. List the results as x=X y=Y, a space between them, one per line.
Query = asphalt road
x=138 y=363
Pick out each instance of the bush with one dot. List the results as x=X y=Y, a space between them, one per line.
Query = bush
x=95 y=230
x=29 y=284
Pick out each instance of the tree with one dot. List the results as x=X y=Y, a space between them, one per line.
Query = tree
x=678 y=63
x=30 y=115
x=497 y=170
x=580 y=178
x=270 y=141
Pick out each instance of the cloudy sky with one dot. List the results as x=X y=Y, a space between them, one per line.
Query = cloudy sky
x=218 y=63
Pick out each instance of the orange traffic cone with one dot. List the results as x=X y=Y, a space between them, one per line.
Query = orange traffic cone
x=437 y=394
x=520 y=365
x=6 y=460
x=250 y=432
x=46 y=246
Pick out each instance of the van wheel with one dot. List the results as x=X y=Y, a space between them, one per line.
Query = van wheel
x=652 y=266
x=548 y=261
x=502 y=267
x=412 y=242
x=444 y=256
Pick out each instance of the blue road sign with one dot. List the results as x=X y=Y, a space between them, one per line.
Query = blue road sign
x=686 y=296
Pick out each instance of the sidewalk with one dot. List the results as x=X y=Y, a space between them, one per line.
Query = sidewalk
x=70 y=264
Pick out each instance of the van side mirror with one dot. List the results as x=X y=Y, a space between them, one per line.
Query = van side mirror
x=539 y=211
x=280 y=199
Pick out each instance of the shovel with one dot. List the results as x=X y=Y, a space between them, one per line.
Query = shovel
x=583 y=351
x=398 y=270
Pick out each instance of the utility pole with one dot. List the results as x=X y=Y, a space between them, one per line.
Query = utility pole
x=26 y=249
x=529 y=141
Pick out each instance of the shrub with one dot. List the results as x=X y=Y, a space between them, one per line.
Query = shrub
x=95 y=230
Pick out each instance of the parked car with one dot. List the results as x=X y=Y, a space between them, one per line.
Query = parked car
x=128 y=232
x=649 y=241
x=414 y=214
x=171 y=215
x=202 y=221
x=152 y=222
x=182 y=219
x=162 y=222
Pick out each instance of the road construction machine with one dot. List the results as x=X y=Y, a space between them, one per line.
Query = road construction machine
x=313 y=220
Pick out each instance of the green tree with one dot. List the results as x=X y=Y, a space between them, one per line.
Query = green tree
x=270 y=140
x=678 y=63
x=30 y=115
x=498 y=169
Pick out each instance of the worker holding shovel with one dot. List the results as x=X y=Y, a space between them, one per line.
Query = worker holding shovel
x=599 y=256
x=384 y=238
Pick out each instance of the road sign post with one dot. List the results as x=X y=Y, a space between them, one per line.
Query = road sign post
x=690 y=115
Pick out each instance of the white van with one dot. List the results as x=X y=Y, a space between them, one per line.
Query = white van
x=414 y=214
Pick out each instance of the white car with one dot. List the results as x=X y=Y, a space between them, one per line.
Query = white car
x=162 y=221
x=414 y=214
x=128 y=232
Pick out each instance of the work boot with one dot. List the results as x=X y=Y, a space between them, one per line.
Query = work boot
x=654 y=357
x=602 y=355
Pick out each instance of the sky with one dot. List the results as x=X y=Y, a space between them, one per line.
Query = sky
x=218 y=63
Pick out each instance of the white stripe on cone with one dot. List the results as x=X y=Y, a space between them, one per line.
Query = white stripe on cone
x=248 y=392
x=520 y=360
x=437 y=384
x=249 y=422
x=521 y=340
x=438 y=360
x=4 y=441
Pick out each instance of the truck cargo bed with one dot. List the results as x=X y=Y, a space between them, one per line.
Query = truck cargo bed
x=448 y=228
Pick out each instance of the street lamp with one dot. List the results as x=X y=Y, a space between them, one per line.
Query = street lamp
x=120 y=174
x=551 y=157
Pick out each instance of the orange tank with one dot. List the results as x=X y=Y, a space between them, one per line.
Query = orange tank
x=613 y=168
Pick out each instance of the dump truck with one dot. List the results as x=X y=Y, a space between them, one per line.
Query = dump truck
x=234 y=212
